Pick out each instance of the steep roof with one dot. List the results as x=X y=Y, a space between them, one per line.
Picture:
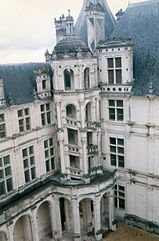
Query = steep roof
x=19 y=81
x=140 y=22
x=81 y=24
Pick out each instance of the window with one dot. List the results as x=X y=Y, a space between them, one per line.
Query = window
x=68 y=79
x=49 y=154
x=116 y=146
x=2 y=126
x=71 y=111
x=6 y=182
x=87 y=78
x=24 y=119
x=43 y=84
x=116 y=112
x=114 y=70
x=29 y=164
x=45 y=114
x=119 y=197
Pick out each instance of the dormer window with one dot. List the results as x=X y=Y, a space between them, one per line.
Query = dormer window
x=43 y=83
x=114 y=70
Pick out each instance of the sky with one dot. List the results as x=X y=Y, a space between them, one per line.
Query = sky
x=27 y=26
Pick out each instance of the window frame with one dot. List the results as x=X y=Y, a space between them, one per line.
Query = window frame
x=116 y=110
x=29 y=165
x=4 y=176
x=120 y=197
x=2 y=126
x=117 y=152
x=50 y=158
x=113 y=68
x=45 y=114
x=24 y=119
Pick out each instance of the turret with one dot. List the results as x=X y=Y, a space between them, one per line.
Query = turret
x=69 y=24
x=95 y=24
x=64 y=27
x=101 y=10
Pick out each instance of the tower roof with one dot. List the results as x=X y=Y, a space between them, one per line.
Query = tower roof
x=140 y=24
x=70 y=46
x=81 y=24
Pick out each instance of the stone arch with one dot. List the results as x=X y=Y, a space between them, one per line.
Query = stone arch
x=86 y=210
x=71 y=111
x=68 y=79
x=88 y=112
x=3 y=236
x=87 y=78
x=44 y=221
x=23 y=229
x=66 y=215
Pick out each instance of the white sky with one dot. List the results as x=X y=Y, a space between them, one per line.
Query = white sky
x=27 y=26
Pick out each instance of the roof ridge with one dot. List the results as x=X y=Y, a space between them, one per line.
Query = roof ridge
x=141 y=3
x=22 y=64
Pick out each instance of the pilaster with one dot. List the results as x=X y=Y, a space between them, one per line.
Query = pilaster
x=112 y=226
x=76 y=219
x=97 y=219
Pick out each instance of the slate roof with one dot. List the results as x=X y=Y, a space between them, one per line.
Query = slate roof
x=81 y=24
x=70 y=45
x=19 y=81
x=140 y=22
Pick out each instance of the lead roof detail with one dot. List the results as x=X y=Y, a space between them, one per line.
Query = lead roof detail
x=140 y=23
x=70 y=46
x=19 y=81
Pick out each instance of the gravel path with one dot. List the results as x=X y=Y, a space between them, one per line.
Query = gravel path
x=127 y=233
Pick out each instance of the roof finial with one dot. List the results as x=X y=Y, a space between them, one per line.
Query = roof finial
x=69 y=12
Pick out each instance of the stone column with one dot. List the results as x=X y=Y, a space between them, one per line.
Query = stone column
x=53 y=216
x=85 y=156
x=62 y=152
x=76 y=219
x=34 y=225
x=83 y=112
x=57 y=217
x=112 y=225
x=10 y=233
x=58 y=110
x=97 y=219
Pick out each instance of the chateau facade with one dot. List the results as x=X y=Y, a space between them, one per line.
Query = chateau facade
x=79 y=134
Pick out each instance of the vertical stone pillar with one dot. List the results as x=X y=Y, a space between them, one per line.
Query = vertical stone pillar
x=112 y=225
x=62 y=153
x=10 y=233
x=97 y=219
x=83 y=112
x=57 y=217
x=58 y=110
x=53 y=216
x=34 y=225
x=85 y=156
x=76 y=219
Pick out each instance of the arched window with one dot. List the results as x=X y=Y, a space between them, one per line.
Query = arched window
x=87 y=78
x=71 y=111
x=88 y=112
x=68 y=79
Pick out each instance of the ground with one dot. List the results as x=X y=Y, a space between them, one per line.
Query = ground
x=127 y=233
